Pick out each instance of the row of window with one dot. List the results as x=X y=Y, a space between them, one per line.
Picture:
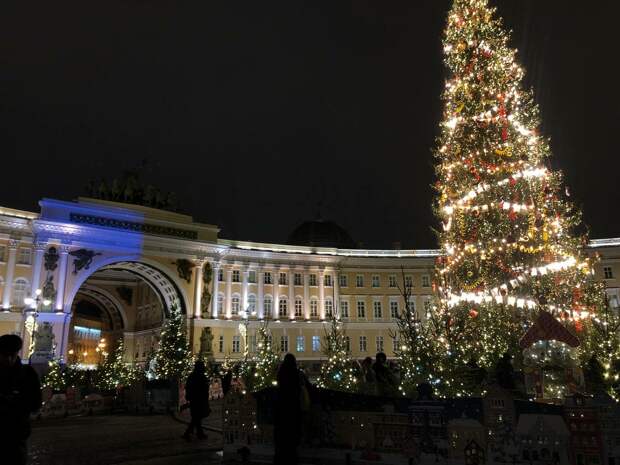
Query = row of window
x=283 y=307
x=24 y=256
x=300 y=343
x=343 y=281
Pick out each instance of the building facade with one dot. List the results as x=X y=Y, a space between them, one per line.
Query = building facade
x=117 y=269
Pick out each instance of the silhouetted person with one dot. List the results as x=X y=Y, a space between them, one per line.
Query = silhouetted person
x=386 y=381
x=197 y=393
x=288 y=415
x=504 y=372
x=20 y=395
x=368 y=377
x=227 y=382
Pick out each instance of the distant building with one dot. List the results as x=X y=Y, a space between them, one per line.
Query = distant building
x=136 y=263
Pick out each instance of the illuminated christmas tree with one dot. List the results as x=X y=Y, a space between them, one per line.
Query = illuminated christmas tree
x=56 y=377
x=416 y=352
x=338 y=372
x=265 y=362
x=510 y=238
x=113 y=372
x=173 y=358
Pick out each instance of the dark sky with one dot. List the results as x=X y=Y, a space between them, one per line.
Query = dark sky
x=255 y=112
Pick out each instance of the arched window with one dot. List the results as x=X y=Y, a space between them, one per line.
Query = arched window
x=299 y=308
x=234 y=305
x=21 y=290
x=251 y=304
x=314 y=308
x=220 y=304
x=283 y=307
x=267 y=305
x=329 y=308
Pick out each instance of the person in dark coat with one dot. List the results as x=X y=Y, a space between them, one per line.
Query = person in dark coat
x=197 y=393
x=20 y=395
x=288 y=413
x=386 y=381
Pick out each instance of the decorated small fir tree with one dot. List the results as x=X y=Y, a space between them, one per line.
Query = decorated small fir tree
x=265 y=362
x=113 y=372
x=338 y=372
x=510 y=240
x=173 y=358
x=56 y=377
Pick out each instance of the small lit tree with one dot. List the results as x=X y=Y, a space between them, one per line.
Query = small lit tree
x=266 y=361
x=56 y=377
x=415 y=351
x=173 y=358
x=113 y=372
x=338 y=371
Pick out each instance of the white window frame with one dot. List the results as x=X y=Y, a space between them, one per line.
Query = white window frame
x=394 y=308
x=236 y=276
x=377 y=310
x=344 y=309
x=298 y=279
x=392 y=281
x=426 y=280
x=329 y=308
x=312 y=279
x=267 y=278
x=347 y=343
x=376 y=280
x=316 y=343
x=300 y=344
x=328 y=280
x=268 y=305
x=236 y=344
x=379 y=343
x=408 y=281
x=283 y=278
x=284 y=343
x=363 y=344
x=220 y=275
x=359 y=280
x=283 y=307
x=251 y=303
x=299 y=307
x=361 y=309
x=2 y=254
x=608 y=272
x=343 y=280
x=252 y=277
x=220 y=303
x=235 y=304
x=24 y=257
x=314 y=308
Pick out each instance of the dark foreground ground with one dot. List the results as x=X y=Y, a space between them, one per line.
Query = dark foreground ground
x=119 y=439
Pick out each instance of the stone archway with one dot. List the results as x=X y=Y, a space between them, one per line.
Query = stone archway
x=134 y=294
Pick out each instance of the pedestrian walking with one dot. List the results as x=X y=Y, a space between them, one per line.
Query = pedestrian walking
x=20 y=395
x=197 y=393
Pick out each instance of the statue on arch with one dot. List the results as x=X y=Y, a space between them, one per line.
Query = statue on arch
x=206 y=344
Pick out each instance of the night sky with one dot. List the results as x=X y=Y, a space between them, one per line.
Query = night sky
x=260 y=114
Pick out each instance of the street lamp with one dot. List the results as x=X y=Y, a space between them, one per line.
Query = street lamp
x=31 y=311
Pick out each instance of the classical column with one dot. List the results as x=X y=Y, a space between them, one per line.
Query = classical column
x=198 y=290
x=276 y=294
x=228 y=292
x=244 y=289
x=10 y=272
x=322 y=294
x=216 y=282
x=39 y=250
x=62 y=278
x=291 y=295
x=261 y=294
x=306 y=295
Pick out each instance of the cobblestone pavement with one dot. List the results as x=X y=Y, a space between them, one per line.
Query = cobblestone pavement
x=119 y=439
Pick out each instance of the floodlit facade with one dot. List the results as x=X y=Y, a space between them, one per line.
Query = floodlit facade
x=107 y=269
